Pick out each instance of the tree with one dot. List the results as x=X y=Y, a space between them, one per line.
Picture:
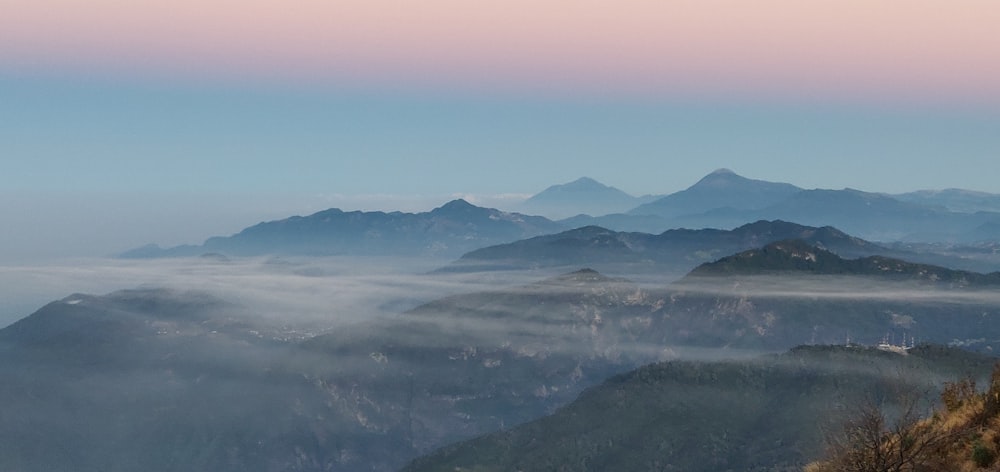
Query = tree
x=871 y=442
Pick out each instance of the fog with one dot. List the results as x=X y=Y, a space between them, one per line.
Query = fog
x=451 y=371
x=838 y=287
x=329 y=290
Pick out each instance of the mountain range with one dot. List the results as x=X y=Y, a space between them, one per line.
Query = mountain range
x=720 y=200
x=163 y=380
x=724 y=199
x=446 y=231
x=953 y=199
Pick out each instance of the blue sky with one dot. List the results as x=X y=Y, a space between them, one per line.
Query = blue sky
x=88 y=136
x=92 y=167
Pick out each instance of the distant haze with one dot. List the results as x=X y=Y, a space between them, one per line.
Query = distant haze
x=332 y=290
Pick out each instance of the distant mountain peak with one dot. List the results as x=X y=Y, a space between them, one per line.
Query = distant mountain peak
x=583 y=184
x=584 y=181
x=722 y=176
x=456 y=206
x=457 y=203
x=721 y=189
x=583 y=195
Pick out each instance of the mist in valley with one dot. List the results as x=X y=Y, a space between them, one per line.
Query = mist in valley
x=325 y=363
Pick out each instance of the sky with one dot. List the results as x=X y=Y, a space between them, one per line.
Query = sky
x=129 y=122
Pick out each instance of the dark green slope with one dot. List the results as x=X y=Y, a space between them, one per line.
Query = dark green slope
x=798 y=256
x=765 y=414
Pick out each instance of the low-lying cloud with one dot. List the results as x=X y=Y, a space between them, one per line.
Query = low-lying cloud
x=331 y=290
x=839 y=288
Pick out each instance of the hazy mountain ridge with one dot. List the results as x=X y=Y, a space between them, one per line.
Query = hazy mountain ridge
x=451 y=229
x=581 y=196
x=723 y=199
x=872 y=215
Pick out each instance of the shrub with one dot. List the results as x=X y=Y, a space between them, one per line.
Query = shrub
x=983 y=456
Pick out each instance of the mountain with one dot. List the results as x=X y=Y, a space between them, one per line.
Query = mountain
x=953 y=199
x=767 y=413
x=677 y=250
x=449 y=230
x=581 y=196
x=722 y=189
x=801 y=257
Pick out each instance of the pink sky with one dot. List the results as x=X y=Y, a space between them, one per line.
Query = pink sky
x=857 y=49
